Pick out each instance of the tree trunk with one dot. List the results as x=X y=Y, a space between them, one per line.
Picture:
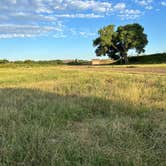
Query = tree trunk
x=125 y=58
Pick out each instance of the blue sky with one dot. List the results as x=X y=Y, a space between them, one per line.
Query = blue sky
x=65 y=29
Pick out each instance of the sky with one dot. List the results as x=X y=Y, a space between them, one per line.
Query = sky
x=65 y=29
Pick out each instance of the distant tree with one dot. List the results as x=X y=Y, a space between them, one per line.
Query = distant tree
x=116 y=44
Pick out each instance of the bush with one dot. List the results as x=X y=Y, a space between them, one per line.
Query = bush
x=79 y=62
x=4 y=61
x=29 y=61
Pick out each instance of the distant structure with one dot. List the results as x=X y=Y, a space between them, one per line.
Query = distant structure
x=101 y=61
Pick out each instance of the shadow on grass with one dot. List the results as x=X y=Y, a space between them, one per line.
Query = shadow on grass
x=43 y=128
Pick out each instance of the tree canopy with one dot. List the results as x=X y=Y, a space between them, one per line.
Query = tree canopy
x=116 y=43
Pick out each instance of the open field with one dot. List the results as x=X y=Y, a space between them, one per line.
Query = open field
x=83 y=115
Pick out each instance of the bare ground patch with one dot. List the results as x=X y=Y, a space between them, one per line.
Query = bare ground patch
x=130 y=69
x=159 y=70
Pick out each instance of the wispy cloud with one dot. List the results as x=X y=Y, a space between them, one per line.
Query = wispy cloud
x=130 y=14
x=145 y=3
x=16 y=30
x=79 y=15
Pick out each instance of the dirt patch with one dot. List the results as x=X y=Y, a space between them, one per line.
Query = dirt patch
x=130 y=69
x=142 y=69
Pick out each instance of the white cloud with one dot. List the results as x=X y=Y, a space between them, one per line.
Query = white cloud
x=144 y=2
x=120 y=6
x=163 y=3
x=93 y=5
x=49 y=6
x=28 y=18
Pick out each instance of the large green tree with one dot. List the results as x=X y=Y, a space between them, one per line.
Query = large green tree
x=116 y=43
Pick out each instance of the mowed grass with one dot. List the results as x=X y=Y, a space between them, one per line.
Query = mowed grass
x=72 y=116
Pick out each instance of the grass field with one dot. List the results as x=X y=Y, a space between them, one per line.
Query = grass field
x=82 y=116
